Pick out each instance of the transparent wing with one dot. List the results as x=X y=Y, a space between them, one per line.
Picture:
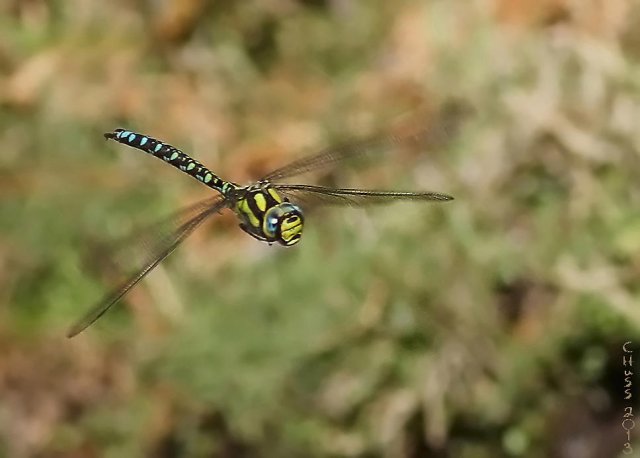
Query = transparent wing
x=312 y=196
x=134 y=257
x=437 y=133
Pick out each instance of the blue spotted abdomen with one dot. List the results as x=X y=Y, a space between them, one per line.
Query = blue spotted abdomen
x=171 y=155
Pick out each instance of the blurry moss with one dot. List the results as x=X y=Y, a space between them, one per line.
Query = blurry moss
x=515 y=442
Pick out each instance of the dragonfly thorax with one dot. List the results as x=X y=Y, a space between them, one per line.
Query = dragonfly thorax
x=265 y=215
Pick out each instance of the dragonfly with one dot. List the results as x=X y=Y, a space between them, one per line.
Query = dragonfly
x=268 y=209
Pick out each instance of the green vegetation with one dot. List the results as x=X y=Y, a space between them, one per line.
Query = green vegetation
x=488 y=326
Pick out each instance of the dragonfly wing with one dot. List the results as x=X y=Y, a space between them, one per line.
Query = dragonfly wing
x=438 y=132
x=357 y=150
x=319 y=195
x=135 y=256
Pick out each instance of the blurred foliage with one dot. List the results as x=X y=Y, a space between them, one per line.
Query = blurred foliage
x=489 y=326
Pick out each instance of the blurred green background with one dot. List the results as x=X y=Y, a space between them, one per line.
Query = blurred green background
x=488 y=326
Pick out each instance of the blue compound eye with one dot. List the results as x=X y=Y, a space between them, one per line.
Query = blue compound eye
x=272 y=226
x=283 y=223
x=272 y=219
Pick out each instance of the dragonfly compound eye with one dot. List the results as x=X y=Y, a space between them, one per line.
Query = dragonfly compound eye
x=283 y=223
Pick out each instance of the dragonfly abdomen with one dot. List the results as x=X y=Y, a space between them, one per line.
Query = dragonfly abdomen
x=171 y=155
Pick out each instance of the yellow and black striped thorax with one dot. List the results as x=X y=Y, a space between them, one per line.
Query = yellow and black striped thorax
x=268 y=216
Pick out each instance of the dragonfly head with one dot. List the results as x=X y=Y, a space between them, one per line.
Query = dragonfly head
x=283 y=223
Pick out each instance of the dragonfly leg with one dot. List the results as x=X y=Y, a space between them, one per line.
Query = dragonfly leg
x=252 y=234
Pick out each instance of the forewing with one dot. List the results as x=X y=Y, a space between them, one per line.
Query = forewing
x=135 y=256
x=435 y=134
x=313 y=196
